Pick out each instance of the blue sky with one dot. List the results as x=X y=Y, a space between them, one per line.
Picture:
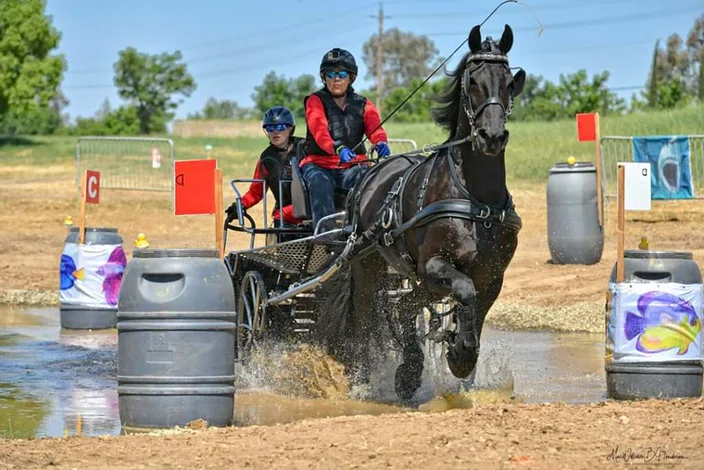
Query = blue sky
x=230 y=45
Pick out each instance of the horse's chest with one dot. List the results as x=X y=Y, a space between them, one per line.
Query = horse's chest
x=472 y=242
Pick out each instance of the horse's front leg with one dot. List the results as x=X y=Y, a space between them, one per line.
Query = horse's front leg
x=463 y=350
x=409 y=374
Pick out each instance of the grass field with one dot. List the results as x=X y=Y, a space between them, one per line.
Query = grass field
x=533 y=148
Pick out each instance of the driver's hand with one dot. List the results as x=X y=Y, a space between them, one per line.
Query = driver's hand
x=232 y=212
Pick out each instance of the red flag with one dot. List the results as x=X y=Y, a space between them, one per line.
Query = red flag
x=92 y=187
x=194 y=187
x=586 y=127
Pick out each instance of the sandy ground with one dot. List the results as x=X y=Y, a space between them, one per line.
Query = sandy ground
x=607 y=435
x=537 y=294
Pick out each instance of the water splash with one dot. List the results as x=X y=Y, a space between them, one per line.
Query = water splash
x=294 y=370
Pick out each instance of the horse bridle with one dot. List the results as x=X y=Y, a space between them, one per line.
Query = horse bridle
x=472 y=114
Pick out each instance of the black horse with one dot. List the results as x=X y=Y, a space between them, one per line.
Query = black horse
x=446 y=222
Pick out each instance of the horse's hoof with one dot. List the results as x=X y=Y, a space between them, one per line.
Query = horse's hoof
x=462 y=359
x=408 y=380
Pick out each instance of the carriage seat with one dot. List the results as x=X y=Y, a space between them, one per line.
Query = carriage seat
x=300 y=196
x=299 y=192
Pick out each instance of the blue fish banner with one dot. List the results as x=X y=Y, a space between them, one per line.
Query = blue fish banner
x=669 y=158
x=649 y=322
x=91 y=275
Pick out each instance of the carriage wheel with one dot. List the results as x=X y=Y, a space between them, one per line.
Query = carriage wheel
x=251 y=313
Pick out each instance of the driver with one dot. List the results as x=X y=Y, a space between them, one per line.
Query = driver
x=337 y=119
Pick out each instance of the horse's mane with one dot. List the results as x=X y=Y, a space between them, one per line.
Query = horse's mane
x=447 y=114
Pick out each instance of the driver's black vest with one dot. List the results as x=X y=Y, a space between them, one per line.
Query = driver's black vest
x=346 y=126
x=275 y=166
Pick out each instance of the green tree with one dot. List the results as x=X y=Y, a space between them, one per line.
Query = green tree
x=652 y=85
x=36 y=120
x=537 y=101
x=418 y=108
x=542 y=100
x=577 y=94
x=405 y=57
x=700 y=92
x=29 y=74
x=277 y=90
x=695 y=53
x=149 y=82
x=121 y=121
x=104 y=110
x=672 y=81
x=225 y=109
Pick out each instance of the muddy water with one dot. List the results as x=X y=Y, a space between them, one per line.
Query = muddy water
x=56 y=382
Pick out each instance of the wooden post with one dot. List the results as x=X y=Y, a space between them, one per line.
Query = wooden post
x=599 y=188
x=621 y=223
x=82 y=219
x=219 y=221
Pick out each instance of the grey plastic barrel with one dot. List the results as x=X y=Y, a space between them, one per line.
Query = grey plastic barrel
x=82 y=317
x=176 y=340
x=574 y=234
x=627 y=381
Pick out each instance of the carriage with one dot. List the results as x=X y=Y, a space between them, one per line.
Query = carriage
x=277 y=286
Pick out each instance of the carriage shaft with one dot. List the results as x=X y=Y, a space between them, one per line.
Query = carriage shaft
x=306 y=286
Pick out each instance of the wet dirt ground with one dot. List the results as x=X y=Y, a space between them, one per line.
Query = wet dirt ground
x=56 y=383
x=540 y=403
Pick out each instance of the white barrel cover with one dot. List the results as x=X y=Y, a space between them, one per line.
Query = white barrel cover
x=91 y=275
x=654 y=322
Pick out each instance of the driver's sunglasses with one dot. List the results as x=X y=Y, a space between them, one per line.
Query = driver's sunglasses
x=333 y=74
x=276 y=128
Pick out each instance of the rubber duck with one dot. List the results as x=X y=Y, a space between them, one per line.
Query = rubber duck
x=68 y=221
x=643 y=245
x=141 y=241
x=571 y=160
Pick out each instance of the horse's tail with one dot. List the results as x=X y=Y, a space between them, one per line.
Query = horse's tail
x=335 y=309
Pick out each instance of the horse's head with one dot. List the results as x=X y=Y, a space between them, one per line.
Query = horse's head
x=487 y=90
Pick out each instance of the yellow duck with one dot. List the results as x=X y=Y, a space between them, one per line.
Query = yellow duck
x=141 y=241
x=68 y=221
x=643 y=245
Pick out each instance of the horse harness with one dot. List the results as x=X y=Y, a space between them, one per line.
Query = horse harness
x=389 y=226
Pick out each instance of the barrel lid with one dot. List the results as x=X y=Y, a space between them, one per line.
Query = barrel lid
x=646 y=254
x=578 y=167
x=96 y=229
x=176 y=253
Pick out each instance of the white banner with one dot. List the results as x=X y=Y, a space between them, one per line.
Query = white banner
x=651 y=322
x=91 y=275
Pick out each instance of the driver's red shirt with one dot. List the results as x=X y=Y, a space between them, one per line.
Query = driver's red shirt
x=318 y=124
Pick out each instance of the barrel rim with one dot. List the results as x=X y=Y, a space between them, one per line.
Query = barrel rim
x=152 y=253
x=657 y=254
x=655 y=368
x=578 y=167
x=96 y=229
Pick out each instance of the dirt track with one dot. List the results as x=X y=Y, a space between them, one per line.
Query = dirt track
x=651 y=434
x=536 y=295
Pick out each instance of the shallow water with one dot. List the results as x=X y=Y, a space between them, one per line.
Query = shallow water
x=56 y=382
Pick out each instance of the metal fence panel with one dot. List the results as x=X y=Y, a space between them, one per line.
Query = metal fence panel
x=127 y=162
x=402 y=145
x=616 y=149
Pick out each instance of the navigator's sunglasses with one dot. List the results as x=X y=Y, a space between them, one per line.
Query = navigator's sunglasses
x=276 y=128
